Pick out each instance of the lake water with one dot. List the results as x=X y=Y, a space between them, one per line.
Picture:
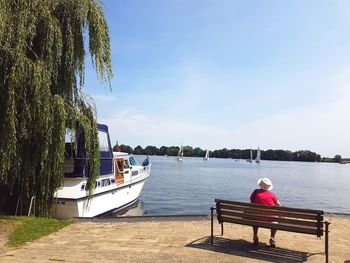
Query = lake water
x=190 y=187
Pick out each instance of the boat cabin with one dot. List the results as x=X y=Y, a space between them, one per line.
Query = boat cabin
x=76 y=164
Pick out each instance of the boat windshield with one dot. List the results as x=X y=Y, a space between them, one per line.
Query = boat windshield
x=70 y=144
x=103 y=141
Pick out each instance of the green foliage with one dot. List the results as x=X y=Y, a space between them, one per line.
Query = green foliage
x=151 y=150
x=278 y=155
x=162 y=150
x=198 y=152
x=28 y=229
x=306 y=156
x=126 y=148
x=188 y=151
x=337 y=158
x=42 y=60
x=172 y=150
x=138 y=150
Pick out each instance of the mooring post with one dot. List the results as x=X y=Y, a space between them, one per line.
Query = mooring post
x=212 y=227
x=31 y=204
x=326 y=240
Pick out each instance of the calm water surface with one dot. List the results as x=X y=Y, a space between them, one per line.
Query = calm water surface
x=190 y=187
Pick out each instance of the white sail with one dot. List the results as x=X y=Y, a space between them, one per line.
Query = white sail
x=258 y=156
x=180 y=154
x=206 y=157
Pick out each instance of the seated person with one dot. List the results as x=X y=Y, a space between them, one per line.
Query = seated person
x=264 y=196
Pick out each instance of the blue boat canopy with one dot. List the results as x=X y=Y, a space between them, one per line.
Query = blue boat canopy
x=76 y=158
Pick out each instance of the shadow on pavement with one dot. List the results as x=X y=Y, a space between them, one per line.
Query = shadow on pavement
x=244 y=248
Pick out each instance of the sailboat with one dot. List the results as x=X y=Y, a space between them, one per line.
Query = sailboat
x=251 y=156
x=258 y=156
x=206 y=157
x=180 y=154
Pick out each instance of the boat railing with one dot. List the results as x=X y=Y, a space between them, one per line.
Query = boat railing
x=141 y=174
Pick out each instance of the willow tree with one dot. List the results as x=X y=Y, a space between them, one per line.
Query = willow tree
x=42 y=57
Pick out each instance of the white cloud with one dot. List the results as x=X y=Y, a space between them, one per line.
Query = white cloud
x=137 y=129
x=322 y=127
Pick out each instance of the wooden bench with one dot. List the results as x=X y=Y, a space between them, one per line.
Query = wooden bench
x=305 y=221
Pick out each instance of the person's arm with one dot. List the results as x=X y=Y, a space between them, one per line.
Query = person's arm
x=252 y=196
x=278 y=203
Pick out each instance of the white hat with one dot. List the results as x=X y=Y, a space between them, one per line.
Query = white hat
x=265 y=184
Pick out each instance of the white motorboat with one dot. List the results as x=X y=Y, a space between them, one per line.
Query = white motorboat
x=119 y=185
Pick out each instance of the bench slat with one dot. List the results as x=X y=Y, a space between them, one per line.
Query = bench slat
x=264 y=210
x=297 y=229
x=284 y=208
x=267 y=218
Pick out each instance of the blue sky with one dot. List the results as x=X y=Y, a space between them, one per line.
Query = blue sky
x=234 y=74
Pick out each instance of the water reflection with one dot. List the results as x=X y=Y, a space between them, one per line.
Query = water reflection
x=134 y=210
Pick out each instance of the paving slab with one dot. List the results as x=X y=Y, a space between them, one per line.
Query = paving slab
x=177 y=239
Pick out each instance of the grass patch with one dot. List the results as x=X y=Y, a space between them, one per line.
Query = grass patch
x=27 y=229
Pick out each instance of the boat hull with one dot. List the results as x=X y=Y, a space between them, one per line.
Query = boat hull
x=101 y=203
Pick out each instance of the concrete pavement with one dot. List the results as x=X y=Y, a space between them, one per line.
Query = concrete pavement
x=175 y=239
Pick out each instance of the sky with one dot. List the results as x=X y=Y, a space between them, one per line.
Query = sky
x=227 y=74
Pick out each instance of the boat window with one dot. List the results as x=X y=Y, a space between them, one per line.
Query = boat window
x=119 y=170
x=103 y=141
x=87 y=185
x=105 y=182
x=126 y=163
x=69 y=136
x=120 y=166
x=69 y=140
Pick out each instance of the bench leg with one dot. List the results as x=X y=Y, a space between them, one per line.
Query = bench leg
x=212 y=227
x=326 y=240
x=222 y=228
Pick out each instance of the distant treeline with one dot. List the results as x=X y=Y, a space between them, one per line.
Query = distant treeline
x=278 y=155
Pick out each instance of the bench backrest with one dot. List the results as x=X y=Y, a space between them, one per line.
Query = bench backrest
x=298 y=220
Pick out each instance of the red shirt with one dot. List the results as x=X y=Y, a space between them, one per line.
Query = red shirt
x=264 y=197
